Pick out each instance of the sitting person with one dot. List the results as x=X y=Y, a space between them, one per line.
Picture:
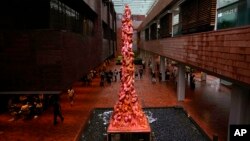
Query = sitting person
x=25 y=110
x=39 y=107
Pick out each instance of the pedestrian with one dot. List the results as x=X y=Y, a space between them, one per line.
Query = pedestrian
x=192 y=81
x=140 y=72
x=159 y=76
x=120 y=72
x=71 y=95
x=115 y=75
x=110 y=75
x=102 y=74
x=153 y=77
x=136 y=74
x=167 y=74
x=57 y=110
x=143 y=64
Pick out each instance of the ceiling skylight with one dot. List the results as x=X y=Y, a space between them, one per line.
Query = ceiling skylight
x=138 y=7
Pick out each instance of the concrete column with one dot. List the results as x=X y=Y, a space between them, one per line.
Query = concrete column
x=181 y=82
x=162 y=68
x=148 y=57
x=153 y=63
x=240 y=105
x=152 y=60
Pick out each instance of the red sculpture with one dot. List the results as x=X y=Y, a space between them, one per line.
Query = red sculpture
x=128 y=114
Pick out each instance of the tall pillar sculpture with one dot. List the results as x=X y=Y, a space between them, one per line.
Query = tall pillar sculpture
x=128 y=114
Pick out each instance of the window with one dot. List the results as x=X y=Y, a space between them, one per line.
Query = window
x=153 y=31
x=222 y=3
x=165 y=29
x=234 y=14
x=227 y=17
x=88 y=27
x=63 y=17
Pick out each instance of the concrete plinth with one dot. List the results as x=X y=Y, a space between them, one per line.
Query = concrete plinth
x=129 y=133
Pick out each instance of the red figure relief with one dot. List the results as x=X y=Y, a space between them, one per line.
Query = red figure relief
x=128 y=114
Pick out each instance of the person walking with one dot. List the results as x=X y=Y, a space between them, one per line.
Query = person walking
x=102 y=74
x=120 y=73
x=115 y=75
x=140 y=72
x=57 y=110
x=192 y=81
x=71 y=95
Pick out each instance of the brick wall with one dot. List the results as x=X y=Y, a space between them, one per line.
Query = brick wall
x=224 y=53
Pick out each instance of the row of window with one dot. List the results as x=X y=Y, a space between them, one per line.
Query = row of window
x=65 y=18
x=230 y=13
x=108 y=33
x=235 y=13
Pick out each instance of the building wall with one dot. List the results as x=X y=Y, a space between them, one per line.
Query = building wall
x=224 y=53
x=93 y=4
x=119 y=35
x=46 y=59
x=104 y=12
x=105 y=52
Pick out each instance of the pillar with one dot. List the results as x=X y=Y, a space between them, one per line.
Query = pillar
x=162 y=68
x=240 y=105
x=181 y=82
x=148 y=57
x=153 y=62
x=143 y=56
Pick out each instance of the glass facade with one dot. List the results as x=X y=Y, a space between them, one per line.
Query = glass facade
x=176 y=22
x=64 y=17
x=234 y=14
x=222 y=3
x=227 y=17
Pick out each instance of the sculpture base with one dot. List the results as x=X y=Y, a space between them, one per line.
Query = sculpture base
x=134 y=133
x=135 y=136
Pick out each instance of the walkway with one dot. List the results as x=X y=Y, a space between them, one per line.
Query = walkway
x=208 y=105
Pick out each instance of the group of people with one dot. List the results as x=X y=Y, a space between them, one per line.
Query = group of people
x=87 y=78
x=30 y=106
x=109 y=77
x=171 y=73
x=139 y=72
x=26 y=106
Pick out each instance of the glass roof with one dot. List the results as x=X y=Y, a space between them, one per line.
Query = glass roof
x=138 y=7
